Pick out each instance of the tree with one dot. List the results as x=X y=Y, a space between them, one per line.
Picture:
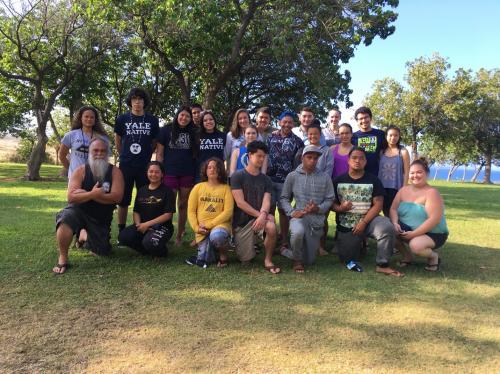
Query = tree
x=44 y=45
x=416 y=107
x=206 y=46
x=487 y=127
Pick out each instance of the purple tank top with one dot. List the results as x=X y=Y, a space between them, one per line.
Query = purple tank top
x=340 y=163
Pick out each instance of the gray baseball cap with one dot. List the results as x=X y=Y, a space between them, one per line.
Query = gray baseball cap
x=311 y=149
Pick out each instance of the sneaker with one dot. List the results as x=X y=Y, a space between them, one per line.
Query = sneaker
x=202 y=264
x=287 y=252
x=354 y=266
x=191 y=260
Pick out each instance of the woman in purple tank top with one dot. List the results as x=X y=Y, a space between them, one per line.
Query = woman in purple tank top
x=341 y=151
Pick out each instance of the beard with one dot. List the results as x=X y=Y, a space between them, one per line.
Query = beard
x=99 y=167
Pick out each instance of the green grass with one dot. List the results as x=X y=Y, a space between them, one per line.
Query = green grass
x=127 y=313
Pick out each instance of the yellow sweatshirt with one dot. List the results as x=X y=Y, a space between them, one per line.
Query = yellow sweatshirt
x=210 y=206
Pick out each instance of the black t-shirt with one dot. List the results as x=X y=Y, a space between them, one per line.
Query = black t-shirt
x=371 y=141
x=137 y=134
x=360 y=192
x=211 y=145
x=177 y=155
x=254 y=187
x=153 y=203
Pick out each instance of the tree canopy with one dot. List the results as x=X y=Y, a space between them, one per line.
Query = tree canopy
x=222 y=53
x=452 y=119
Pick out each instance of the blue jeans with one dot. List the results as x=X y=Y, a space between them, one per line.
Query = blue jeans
x=218 y=238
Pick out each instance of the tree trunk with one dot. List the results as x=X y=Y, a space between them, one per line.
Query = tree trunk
x=452 y=170
x=37 y=155
x=487 y=168
x=477 y=172
x=436 y=169
x=414 y=151
x=465 y=171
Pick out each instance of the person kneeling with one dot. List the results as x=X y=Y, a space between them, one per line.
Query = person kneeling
x=359 y=197
x=312 y=191
x=252 y=196
x=153 y=210
x=94 y=190
x=210 y=209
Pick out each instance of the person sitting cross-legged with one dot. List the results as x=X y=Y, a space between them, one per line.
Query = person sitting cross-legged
x=358 y=201
x=210 y=209
x=153 y=210
x=94 y=190
x=251 y=220
x=312 y=191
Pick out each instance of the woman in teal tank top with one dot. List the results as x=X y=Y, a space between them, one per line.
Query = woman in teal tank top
x=417 y=214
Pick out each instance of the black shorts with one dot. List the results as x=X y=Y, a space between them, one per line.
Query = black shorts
x=438 y=238
x=132 y=175
x=98 y=234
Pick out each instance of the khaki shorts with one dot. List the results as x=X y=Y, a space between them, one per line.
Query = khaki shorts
x=246 y=239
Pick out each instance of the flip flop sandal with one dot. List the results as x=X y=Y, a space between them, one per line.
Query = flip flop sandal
x=273 y=267
x=60 y=266
x=298 y=268
x=435 y=267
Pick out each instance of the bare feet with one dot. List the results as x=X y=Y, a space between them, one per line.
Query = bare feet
x=322 y=252
x=270 y=267
x=389 y=271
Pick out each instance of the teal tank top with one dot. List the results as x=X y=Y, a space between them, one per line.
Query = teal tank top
x=414 y=215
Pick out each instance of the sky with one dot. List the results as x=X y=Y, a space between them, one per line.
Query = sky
x=465 y=32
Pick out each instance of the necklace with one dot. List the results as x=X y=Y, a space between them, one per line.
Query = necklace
x=135 y=147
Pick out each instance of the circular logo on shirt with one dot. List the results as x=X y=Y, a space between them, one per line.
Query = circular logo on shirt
x=135 y=148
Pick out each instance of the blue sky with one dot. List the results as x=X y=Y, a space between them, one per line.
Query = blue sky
x=465 y=32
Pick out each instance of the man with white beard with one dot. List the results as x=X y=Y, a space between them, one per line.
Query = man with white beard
x=93 y=192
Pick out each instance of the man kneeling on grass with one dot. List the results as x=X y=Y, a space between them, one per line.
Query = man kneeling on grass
x=312 y=191
x=359 y=197
x=251 y=219
x=93 y=192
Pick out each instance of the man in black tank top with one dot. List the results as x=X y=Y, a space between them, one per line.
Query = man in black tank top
x=93 y=192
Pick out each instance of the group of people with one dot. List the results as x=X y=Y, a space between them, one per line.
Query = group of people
x=228 y=187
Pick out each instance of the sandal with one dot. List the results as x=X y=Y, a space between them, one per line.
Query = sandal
x=434 y=267
x=65 y=266
x=298 y=267
x=273 y=269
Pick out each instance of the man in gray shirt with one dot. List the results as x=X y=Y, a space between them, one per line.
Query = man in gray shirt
x=313 y=193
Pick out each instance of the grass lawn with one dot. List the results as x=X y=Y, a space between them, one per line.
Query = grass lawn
x=127 y=313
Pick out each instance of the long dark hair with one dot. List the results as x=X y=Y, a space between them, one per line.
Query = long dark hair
x=385 y=143
x=77 y=120
x=221 y=170
x=176 y=130
x=203 y=115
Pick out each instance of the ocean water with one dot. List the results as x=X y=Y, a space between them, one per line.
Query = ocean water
x=441 y=173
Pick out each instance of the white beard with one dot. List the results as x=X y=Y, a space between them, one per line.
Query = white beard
x=99 y=167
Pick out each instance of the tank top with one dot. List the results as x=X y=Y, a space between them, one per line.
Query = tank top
x=390 y=170
x=102 y=213
x=340 y=162
x=413 y=215
x=242 y=160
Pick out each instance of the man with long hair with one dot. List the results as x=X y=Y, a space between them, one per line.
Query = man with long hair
x=93 y=192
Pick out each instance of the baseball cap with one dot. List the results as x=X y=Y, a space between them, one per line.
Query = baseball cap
x=311 y=149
